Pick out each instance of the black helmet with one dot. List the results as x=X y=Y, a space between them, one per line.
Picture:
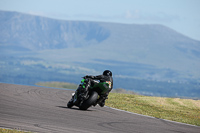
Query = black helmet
x=107 y=73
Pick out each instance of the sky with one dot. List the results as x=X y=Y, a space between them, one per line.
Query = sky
x=180 y=15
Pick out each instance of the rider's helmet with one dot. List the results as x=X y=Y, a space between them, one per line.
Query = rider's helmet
x=107 y=73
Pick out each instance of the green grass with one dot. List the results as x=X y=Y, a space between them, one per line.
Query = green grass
x=58 y=85
x=11 y=131
x=175 y=109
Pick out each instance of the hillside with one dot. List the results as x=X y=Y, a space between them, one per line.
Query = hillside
x=154 y=53
x=40 y=33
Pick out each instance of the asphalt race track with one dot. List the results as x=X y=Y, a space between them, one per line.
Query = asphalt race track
x=40 y=109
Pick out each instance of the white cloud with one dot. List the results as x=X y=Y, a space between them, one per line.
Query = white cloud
x=137 y=15
x=132 y=15
x=37 y=13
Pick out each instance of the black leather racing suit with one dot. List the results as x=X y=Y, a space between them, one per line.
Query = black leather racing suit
x=103 y=78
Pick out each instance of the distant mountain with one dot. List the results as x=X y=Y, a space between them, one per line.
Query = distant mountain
x=39 y=33
x=131 y=50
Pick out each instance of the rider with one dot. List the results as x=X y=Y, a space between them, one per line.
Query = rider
x=101 y=87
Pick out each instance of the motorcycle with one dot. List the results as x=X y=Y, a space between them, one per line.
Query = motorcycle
x=84 y=97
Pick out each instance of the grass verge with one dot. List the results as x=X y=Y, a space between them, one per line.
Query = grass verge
x=58 y=85
x=175 y=109
x=2 y=130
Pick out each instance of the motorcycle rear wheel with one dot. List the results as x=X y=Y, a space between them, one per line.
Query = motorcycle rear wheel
x=90 y=101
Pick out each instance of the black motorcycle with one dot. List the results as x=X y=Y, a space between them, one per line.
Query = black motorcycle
x=84 y=97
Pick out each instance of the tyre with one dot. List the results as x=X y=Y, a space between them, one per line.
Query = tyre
x=70 y=104
x=90 y=101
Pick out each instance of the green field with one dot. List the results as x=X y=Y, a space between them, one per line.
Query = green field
x=58 y=85
x=11 y=131
x=175 y=109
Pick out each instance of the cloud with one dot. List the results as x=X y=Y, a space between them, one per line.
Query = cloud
x=50 y=14
x=129 y=16
x=37 y=13
x=137 y=15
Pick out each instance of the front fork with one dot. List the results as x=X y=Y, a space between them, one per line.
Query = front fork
x=78 y=97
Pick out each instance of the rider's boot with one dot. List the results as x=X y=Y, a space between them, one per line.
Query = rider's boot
x=102 y=100
x=102 y=103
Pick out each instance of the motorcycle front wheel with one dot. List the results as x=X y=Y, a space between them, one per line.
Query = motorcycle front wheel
x=70 y=104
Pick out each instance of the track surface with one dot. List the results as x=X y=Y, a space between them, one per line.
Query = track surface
x=41 y=109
